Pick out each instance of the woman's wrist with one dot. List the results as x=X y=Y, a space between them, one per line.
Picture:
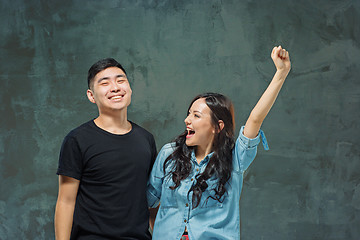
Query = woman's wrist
x=281 y=74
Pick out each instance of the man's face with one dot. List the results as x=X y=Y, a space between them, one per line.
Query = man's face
x=110 y=90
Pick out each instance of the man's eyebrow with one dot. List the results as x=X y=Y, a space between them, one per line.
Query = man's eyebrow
x=107 y=78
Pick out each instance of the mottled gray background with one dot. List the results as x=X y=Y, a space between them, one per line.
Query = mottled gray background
x=306 y=187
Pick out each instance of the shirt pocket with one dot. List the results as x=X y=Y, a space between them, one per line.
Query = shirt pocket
x=168 y=197
x=206 y=200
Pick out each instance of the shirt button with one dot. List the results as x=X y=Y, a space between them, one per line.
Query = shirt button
x=197 y=169
x=192 y=179
x=187 y=205
x=184 y=220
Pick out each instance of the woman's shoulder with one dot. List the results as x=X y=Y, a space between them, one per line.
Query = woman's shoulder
x=168 y=148
x=165 y=152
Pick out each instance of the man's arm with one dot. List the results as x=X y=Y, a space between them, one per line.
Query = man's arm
x=153 y=212
x=282 y=63
x=68 y=188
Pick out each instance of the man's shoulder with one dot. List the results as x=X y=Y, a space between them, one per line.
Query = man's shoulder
x=80 y=129
x=141 y=130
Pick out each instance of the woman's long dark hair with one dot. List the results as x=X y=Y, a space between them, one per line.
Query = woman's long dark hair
x=220 y=163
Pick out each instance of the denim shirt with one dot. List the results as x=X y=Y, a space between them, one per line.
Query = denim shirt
x=211 y=219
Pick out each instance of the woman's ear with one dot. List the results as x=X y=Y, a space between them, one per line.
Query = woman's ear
x=221 y=125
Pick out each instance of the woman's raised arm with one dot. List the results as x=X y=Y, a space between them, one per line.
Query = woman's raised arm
x=282 y=63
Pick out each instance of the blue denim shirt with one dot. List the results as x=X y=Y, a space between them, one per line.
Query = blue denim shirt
x=211 y=219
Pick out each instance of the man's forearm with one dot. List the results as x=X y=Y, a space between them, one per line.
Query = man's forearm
x=63 y=220
x=153 y=212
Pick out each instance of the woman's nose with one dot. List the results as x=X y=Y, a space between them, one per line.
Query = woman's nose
x=187 y=120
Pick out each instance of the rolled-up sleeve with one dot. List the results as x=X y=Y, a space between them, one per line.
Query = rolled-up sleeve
x=246 y=148
x=154 y=186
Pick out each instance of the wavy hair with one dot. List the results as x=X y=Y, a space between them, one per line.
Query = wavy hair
x=220 y=163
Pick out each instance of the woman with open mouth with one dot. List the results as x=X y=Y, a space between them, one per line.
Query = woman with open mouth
x=198 y=178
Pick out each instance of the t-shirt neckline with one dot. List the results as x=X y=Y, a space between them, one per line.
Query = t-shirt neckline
x=92 y=122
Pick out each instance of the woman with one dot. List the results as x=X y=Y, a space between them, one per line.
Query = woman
x=198 y=178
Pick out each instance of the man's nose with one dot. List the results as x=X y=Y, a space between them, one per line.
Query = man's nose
x=115 y=87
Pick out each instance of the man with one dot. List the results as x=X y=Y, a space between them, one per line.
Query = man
x=104 y=166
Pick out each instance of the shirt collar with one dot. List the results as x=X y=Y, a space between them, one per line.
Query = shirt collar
x=204 y=161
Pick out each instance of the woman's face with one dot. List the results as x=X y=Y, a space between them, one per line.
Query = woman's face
x=200 y=129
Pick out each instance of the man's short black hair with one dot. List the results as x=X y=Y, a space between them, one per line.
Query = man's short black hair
x=102 y=65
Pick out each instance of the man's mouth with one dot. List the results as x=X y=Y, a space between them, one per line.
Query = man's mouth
x=117 y=97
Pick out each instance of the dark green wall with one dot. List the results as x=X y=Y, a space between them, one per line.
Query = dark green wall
x=306 y=187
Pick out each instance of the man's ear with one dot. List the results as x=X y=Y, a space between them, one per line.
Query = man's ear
x=221 y=125
x=90 y=96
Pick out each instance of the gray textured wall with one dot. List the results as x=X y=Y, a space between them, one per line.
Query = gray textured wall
x=306 y=187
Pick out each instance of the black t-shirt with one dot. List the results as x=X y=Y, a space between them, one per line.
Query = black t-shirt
x=113 y=171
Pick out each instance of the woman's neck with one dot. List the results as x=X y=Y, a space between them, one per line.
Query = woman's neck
x=202 y=152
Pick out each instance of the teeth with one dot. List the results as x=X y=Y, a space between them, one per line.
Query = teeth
x=117 y=97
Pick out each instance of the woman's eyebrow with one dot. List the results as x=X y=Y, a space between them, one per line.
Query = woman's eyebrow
x=197 y=111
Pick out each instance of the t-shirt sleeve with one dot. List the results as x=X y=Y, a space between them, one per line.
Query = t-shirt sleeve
x=154 y=186
x=246 y=148
x=70 y=160
x=153 y=152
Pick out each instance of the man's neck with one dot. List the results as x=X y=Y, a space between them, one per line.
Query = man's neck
x=114 y=123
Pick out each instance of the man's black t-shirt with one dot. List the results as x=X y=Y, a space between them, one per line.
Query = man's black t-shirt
x=113 y=171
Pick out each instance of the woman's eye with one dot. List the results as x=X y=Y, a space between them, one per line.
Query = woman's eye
x=197 y=116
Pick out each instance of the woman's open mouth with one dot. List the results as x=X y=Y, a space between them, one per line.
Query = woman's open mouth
x=190 y=133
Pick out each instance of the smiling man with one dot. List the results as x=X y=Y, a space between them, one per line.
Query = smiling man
x=104 y=165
